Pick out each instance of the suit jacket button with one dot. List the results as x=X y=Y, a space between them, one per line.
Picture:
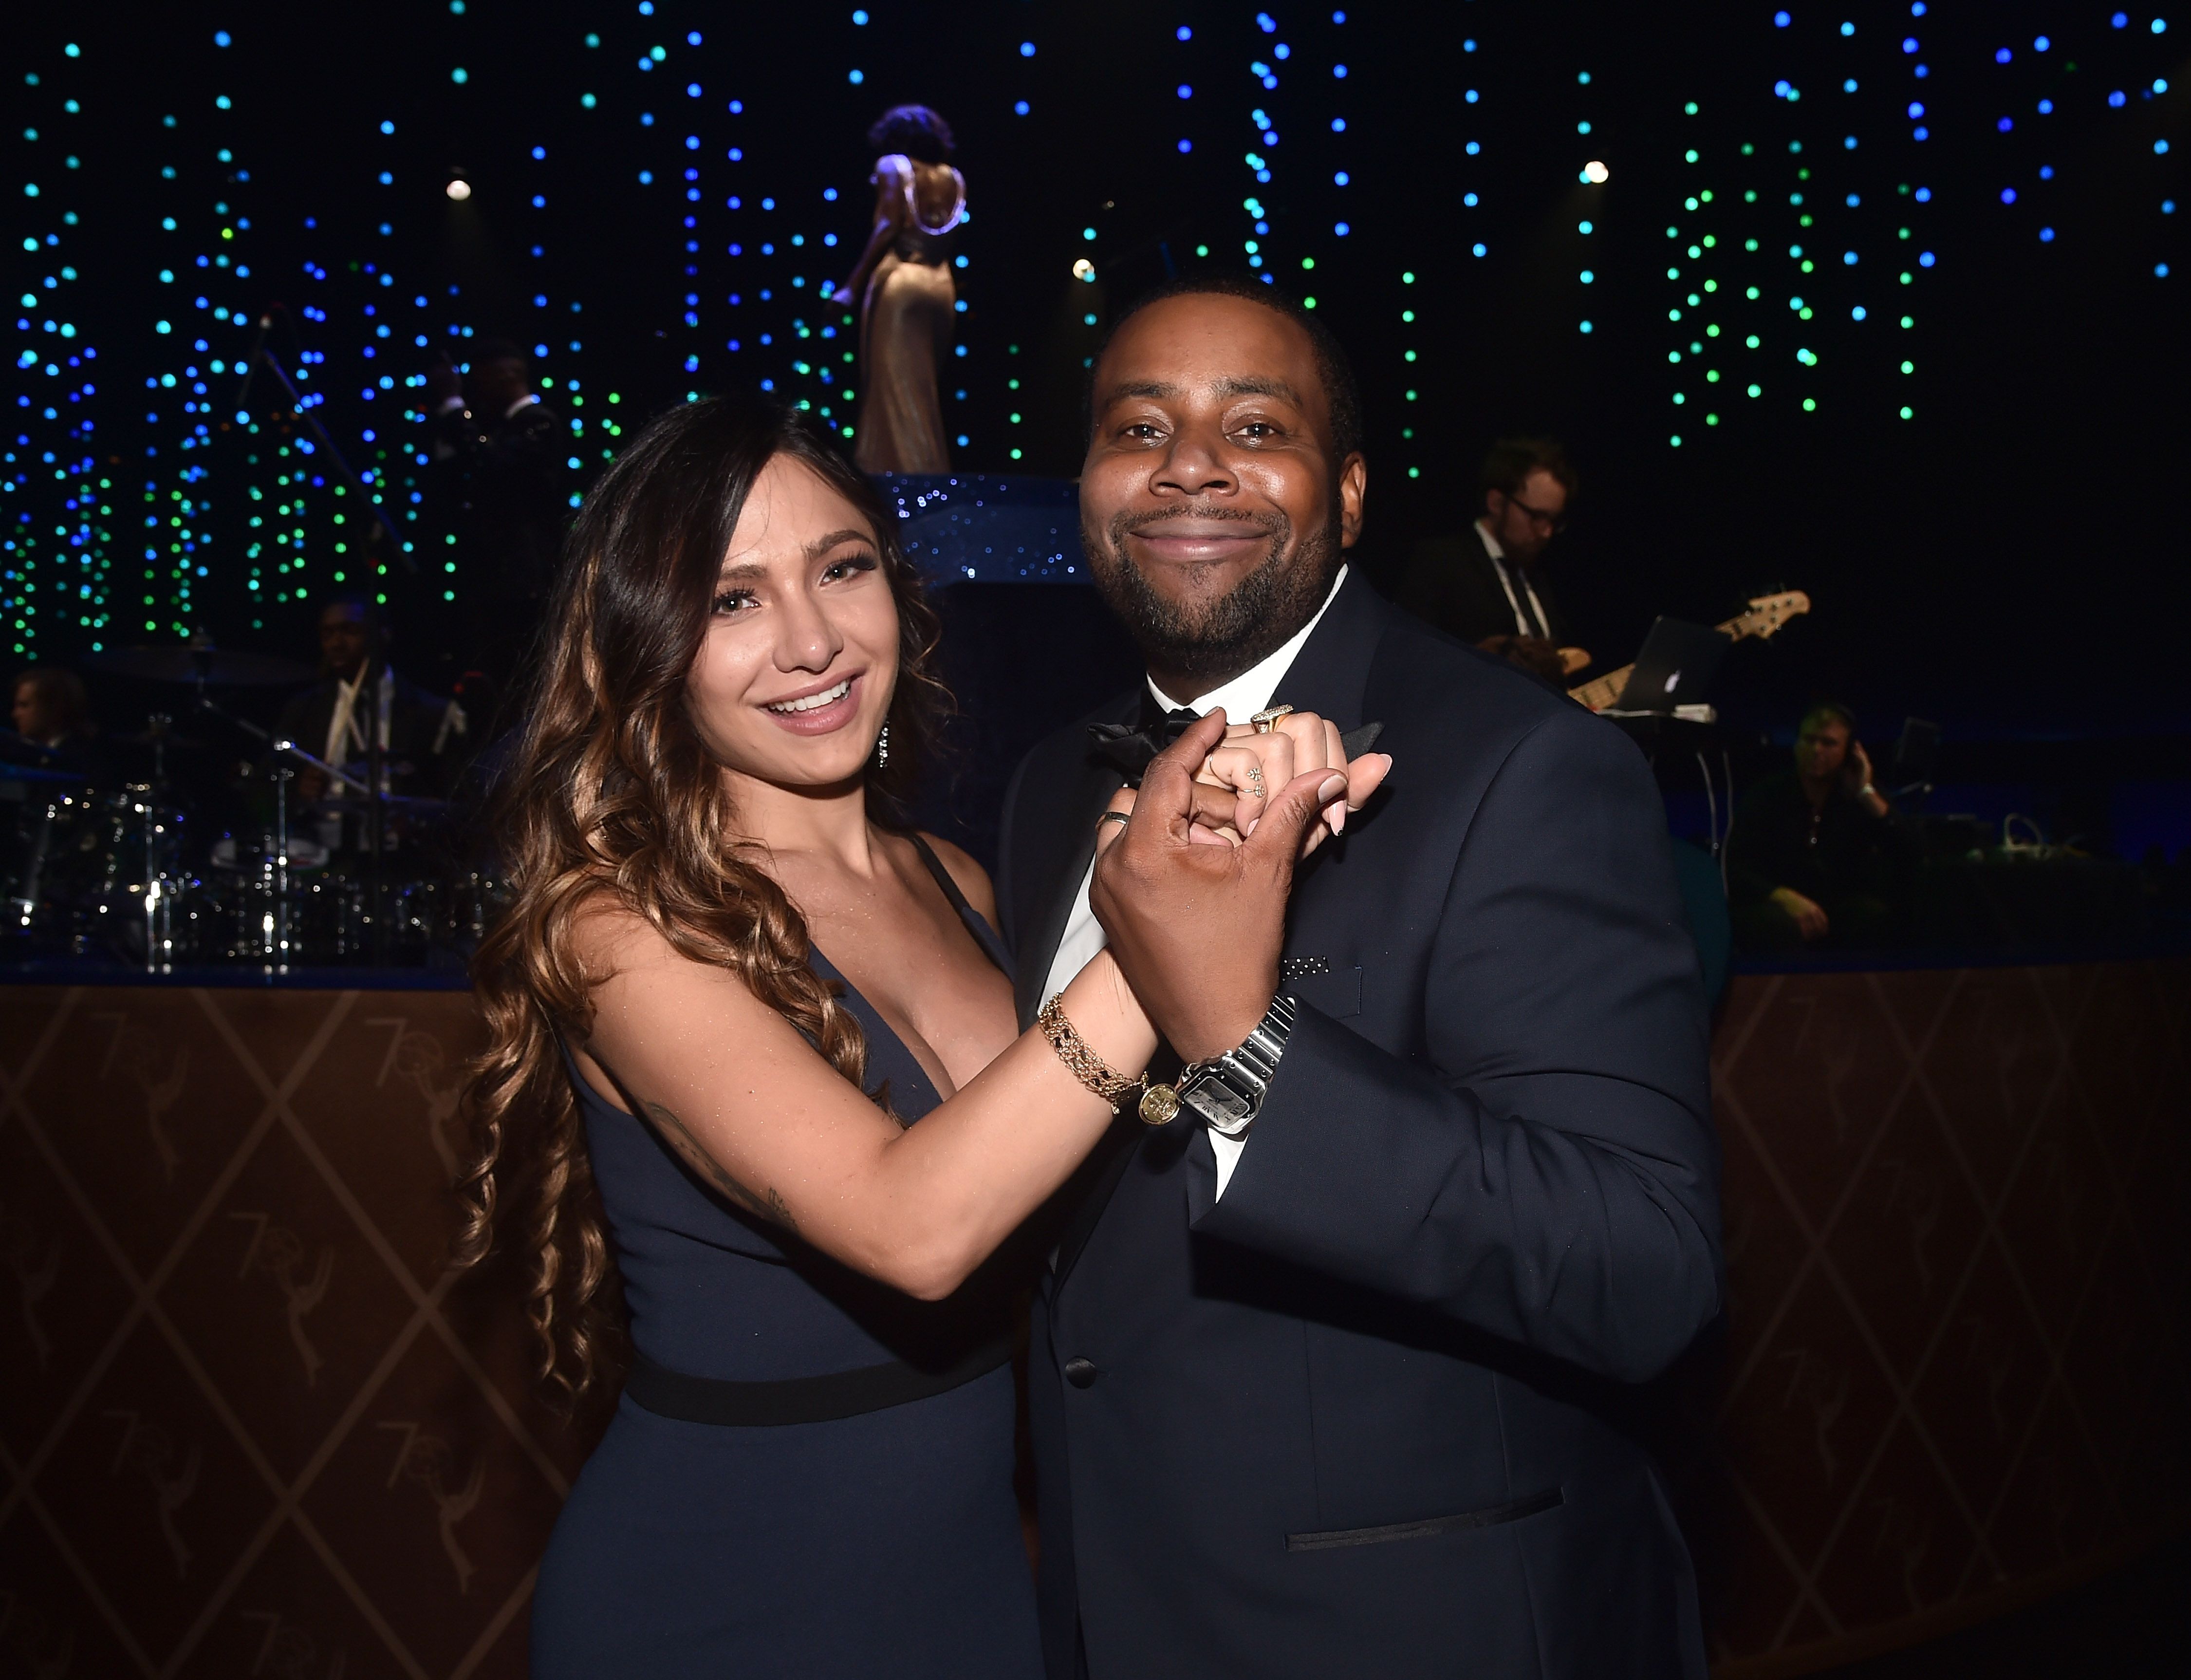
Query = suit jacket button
x=1080 y=1373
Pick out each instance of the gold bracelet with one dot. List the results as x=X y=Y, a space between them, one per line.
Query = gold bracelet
x=1083 y=1062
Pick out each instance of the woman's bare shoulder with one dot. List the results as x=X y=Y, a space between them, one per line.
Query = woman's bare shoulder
x=970 y=878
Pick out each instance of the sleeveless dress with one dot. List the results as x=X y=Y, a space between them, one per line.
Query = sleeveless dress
x=905 y=332
x=884 y=1543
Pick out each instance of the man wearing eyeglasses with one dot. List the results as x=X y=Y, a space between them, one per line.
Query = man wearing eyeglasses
x=1485 y=586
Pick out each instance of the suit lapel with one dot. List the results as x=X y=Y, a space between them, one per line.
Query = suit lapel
x=1329 y=677
x=1331 y=672
x=1072 y=826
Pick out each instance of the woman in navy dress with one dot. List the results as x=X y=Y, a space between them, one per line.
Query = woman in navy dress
x=752 y=1057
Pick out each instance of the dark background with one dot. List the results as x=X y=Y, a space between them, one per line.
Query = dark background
x=2008 y=560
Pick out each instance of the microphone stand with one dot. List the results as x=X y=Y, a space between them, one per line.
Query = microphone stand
x=376 y=809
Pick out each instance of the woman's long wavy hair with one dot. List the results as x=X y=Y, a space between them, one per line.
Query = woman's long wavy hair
x=612 y=791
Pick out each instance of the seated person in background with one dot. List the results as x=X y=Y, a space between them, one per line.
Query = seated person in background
x=53 y=717
x=1816 y=856
x=1486 y=586
x=420 y=734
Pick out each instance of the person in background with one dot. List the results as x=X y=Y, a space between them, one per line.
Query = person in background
x=420 y=733
x=496 y=485
x=1486 y=586
x=1816 y=856
x=53 y=717
x=901 y=287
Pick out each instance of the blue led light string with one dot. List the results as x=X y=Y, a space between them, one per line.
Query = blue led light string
x=1594 y=174
x=56 y=495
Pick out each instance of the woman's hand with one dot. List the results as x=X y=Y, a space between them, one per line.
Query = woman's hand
x=1197 y=930
x=1253 y=766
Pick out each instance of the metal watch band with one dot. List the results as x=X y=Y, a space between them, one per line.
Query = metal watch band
x=1227 y=1090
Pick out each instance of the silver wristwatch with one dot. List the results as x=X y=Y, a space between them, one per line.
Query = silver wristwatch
x=1227 y=1090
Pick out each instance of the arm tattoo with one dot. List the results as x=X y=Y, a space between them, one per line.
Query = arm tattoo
x=770 y=1204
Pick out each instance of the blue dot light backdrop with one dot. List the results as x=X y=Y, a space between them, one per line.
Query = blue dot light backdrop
x=1886 y=303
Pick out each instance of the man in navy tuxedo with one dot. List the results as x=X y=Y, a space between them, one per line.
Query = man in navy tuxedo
x=1328 y=1370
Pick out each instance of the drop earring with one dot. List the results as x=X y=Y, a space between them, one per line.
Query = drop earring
x=882 y=746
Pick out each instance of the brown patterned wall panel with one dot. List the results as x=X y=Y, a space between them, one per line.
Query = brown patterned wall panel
x=252 y=1424
x=1953 y=1371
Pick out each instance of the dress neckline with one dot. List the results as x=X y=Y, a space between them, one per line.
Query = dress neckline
x=985 y=937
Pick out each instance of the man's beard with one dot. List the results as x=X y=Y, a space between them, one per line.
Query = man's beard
x=1217 y=639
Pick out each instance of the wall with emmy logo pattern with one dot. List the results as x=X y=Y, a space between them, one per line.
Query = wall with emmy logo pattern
x=252 y=1425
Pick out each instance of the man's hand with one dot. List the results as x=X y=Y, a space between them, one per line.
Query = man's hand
x=1197 y=929
x=1809 y=915
x=1531 y=652
x=1855 y=768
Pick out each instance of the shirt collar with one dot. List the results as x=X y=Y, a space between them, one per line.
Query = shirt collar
x=524 y=402
x=1252 y=690
x=1490 y=542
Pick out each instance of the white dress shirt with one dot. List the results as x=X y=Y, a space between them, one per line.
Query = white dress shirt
x=346 y=732
x=1249 y=693
x=1510 y=574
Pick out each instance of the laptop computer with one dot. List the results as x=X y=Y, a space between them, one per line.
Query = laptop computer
x=1675 y=669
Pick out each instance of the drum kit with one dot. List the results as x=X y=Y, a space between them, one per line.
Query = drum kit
x=153 y=870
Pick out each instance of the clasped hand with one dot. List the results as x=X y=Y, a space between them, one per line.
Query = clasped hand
x=1192 y=889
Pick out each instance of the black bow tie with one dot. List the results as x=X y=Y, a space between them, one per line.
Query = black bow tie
x=1129 y=747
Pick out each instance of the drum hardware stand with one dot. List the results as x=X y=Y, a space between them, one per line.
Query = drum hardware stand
x=281 y=776
x=378 y=686
x=159 y=895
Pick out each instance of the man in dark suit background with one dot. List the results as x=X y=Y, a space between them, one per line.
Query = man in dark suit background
x=1488 y=586
x=496 y=486
x=358 y=696
x=1335 y=1390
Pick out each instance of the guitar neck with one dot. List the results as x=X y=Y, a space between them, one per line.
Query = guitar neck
x=1599 y=693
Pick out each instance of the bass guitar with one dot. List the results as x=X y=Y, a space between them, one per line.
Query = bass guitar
x=1766 y=616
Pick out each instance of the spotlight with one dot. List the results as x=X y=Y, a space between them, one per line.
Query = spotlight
x=1595 y=173
x=1083 y=270
x=460 y=189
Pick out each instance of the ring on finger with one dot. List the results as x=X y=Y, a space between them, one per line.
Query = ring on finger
x=1120 y=817
x=1266 y=720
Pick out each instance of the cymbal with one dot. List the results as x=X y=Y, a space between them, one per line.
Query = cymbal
x=217 y=666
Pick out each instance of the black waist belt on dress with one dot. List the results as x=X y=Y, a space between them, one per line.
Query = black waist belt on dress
x=801 y=1400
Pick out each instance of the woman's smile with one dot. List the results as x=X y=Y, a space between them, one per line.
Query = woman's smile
x=821 y=709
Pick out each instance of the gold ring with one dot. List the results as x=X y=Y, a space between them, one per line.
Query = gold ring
x=1264 y=719
x=1120 y=817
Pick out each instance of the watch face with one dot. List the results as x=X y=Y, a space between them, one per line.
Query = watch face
x=1217 y=1102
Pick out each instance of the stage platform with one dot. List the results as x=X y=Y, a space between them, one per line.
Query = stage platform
x=988 y=528
x=251 y=1410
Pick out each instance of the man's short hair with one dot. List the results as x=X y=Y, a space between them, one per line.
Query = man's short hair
x=61 y=691
x=368 y=610
x=1507 y=468
x=1333 y=371
x=1828 y=711
x=499 y=350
